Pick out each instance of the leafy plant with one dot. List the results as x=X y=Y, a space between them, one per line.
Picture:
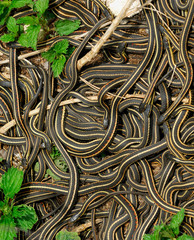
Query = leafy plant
x=66 y=27
x=4 y=11
x=65 y=235
x=58 y=54
x=13 y=30
x=21 y=216
x=55 y=153
x=59 y=161
x=170 y=231
x=26 y=37
x=27 y=30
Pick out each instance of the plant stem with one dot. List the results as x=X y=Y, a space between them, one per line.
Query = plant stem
x=10 y=207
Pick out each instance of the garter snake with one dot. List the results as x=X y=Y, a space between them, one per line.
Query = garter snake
x=131 y=138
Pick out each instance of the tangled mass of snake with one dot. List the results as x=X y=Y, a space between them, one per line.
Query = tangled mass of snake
x=123 y=123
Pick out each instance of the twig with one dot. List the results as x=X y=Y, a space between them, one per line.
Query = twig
x=26 y=55
x=84 y=226
x=158 y=13
x=172 y=75
x=94 y=51
x=97 y=88
x=12 y=123
x=90 y=84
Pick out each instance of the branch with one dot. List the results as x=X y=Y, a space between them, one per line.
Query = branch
x=26 y=55
x=12 y=123
x=94 y=51
x=84 y=226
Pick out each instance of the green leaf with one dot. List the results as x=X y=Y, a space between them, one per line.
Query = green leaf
x=7 y=228
x=65 y=235
x=167 y=232
x=36 y=167
x=50 y=173
x=61 y=46
x=20 y=3
x=65 y=27
x=1 y=159
x=30 y=38
x=52 y=53
x=24 y=216
x=4 y=15
x=41 y=5
x=176 y=231
x=49 y=55
x=1 y=9
x=4 y=4
x=176 y=221
x=58 y=65
x=10 y=37
x=148 y=237
x=157 y=229
x=28 y=20
x=55 y=152
x=32 y=33
x=11 y=182
x=23 y=40
x=11 y=25
x=185 y=237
